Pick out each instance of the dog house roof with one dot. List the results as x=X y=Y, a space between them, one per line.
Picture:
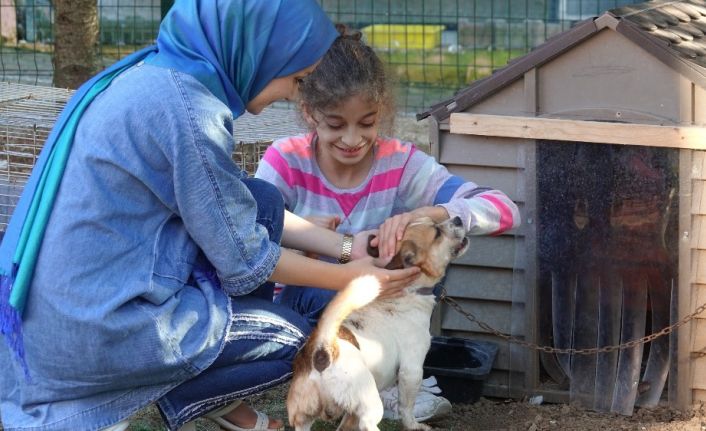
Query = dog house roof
x=672 y=31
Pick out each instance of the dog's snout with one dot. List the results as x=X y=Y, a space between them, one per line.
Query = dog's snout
x=457 y=221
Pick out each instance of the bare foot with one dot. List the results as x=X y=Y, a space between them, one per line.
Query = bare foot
x=244 y=416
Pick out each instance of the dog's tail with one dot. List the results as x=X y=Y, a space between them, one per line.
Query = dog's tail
x=359 y=293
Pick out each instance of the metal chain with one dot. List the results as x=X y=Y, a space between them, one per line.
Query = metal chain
x=569 y=351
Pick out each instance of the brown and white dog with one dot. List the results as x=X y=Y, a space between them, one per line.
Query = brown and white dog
x=361 y=346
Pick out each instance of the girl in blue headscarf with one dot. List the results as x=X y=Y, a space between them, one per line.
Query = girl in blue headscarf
x=138 y=264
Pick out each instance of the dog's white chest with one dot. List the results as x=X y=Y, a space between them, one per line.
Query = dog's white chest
x=389 y=333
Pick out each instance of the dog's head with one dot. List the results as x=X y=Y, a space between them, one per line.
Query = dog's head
x=430 y=246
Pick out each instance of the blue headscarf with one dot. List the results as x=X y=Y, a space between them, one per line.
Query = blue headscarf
x=233 y=47
x=272 y=38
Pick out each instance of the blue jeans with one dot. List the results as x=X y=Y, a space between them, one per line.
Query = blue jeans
x=264 y=338
x=307 y=301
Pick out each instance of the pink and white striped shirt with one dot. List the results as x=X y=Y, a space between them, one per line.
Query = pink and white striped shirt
x=401 y=179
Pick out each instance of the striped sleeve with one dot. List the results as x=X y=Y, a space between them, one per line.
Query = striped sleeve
x=484 y=211
x=274 y=168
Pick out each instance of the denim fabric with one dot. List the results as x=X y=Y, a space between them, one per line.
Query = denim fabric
x=307 y=301
x=123 y=307
x=270 y=214
x=261 y=343
x=260 y=347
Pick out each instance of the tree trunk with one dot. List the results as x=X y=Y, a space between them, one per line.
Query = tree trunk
x=8 y=22
x=76 y=35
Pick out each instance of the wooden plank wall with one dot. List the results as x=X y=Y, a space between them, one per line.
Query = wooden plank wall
x=485 y=280
x=690 y=361
x=695 y=111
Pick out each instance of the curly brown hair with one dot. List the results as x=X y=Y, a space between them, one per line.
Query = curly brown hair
x=349 y=68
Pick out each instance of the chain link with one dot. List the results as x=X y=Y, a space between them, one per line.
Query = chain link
x=569 y=351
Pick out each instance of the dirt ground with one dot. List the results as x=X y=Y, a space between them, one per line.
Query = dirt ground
x=509 y=415
x=491 y=415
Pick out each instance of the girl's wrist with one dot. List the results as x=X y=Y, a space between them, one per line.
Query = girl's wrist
x=346 y=248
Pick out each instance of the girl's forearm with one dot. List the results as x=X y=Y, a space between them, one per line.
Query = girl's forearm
x=300 y=234
x=298 y=270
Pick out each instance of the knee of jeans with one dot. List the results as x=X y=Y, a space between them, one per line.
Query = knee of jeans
x=266 y=194
x=270 y=205
x=302 y=324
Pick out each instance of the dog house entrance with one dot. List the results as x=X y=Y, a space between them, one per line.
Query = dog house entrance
x=607 y=253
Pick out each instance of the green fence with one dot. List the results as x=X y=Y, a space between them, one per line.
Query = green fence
x=433 y=47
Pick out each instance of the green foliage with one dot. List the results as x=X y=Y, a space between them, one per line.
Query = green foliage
x=445 y=69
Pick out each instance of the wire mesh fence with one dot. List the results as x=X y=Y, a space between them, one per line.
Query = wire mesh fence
x=28 y=113
x=432 y=47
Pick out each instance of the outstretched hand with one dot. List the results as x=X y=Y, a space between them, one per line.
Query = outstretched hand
x=392 y=282
x=392 y=230
x=391 y=233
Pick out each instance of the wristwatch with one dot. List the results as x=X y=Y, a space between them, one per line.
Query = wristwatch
x=346 y=248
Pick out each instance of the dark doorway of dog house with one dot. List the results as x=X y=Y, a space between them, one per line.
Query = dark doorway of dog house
x=607 y=270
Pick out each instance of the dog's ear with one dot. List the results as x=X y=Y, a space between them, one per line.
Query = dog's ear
x=407 y=256
x=372 y=251
x=395 y=263
x=412 y=255
x=398 y=261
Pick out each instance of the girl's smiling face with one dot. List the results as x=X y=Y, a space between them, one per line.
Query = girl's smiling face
x=346 y=133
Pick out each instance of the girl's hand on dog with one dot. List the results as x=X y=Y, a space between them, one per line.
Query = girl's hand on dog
x=390 y=233
x=392 y=281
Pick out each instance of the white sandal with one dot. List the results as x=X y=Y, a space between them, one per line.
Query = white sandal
x=120 y=426
x=262 y=423
x=189 y=426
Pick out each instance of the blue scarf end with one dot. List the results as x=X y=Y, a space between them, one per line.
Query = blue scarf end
x=11 y=322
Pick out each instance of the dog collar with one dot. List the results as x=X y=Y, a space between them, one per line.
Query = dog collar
x=425 y=291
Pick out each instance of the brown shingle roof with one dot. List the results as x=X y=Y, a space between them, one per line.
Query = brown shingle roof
x=672 y=31
x=681 y=24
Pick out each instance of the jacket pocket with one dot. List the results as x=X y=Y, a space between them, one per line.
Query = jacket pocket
x=174 y=255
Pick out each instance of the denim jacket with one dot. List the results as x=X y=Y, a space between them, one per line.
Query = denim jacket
x=125 y=304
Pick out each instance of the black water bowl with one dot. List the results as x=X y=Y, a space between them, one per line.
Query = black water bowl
x=460 y=366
